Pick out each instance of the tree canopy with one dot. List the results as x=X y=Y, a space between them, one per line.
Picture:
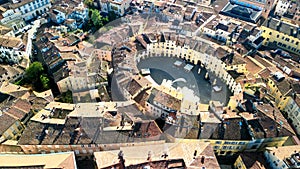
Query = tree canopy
x=97 y=19
x=88 y=3
x=34 y=71
x=67 y=97
x=45 y=81
x=36 y=77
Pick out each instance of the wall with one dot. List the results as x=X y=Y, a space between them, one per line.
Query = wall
x=230 y=147
x=273 y=161
x=239 y=163
x=282 y=40
x=14 y=131
x=13 y=20
x=282 y=7
x=33 y=9
x=81 y=150
x=292 y=110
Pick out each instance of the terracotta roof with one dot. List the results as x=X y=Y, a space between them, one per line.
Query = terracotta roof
x=5 y=122
x=10 y=42
x=167 y=100
x=60 y=134
x=4 y=30
x=187 y=153
x=23 y=105
x=284 y=151
x=284 y=86
x=55 y=160
x=138 y=83
x=254 y=160
x=142 y=131
x=251 y=66
x=16 y=113
x=271 y=119
x=232 y=130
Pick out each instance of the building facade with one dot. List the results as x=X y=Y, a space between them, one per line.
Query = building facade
x=12 y=19
x=281 y=34
x=282 y=7
x=30 y=9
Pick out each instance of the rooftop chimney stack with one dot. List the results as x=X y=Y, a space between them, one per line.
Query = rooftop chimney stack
x=202 y=159
x=122 y=161
x=149 y=156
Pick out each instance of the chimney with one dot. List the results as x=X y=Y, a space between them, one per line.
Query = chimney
x=195 y=153
x=165 y=155
x=202 y=159
x=149 y=156
x=122 y=161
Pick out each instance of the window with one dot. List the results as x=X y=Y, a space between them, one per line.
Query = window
x=218 y=142
x=20 y=127
x=270 y=33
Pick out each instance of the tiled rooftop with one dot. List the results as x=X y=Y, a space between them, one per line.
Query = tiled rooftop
x=189 y=154
x=6 y=122
x=281 y=26
x=70 y=133
x=57 y=160
x=271 y=120
x=232 y=129
x=10 y=42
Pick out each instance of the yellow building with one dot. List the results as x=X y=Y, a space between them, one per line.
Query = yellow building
x=230 y=147
x=10 y=128
x=11 y=121
x=286 y=101
x=290 y=106
x=239 y=163
x=278 y=89
x=250 y=161
x=278 y=33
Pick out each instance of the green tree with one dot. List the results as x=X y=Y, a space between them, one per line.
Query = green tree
x=96 y=18
x=34 y=71
x=67 y=97
x=89 y=3
x=45 y=81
